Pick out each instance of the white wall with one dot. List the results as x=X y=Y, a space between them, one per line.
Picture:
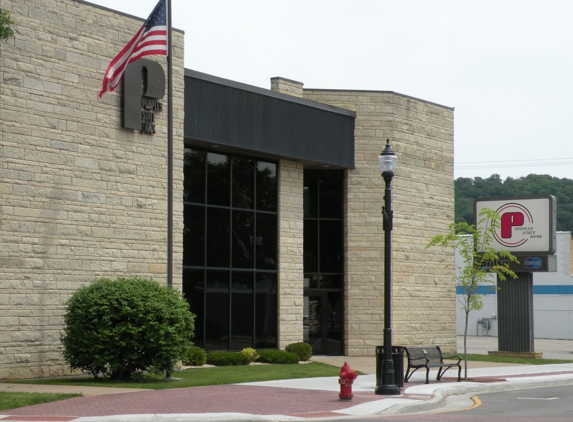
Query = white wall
x=552 y=313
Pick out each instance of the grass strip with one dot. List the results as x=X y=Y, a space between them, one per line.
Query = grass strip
x=203 y=376
x=509 y=359
x=240 y=374
x=13 y=400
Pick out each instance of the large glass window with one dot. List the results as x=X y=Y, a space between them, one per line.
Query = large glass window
x=242 y=298
x=230 y=249
x=323 y=261
x=266 y=303
x=216 y=310
x=323 y=227
x=194 y=235
x=219 y=179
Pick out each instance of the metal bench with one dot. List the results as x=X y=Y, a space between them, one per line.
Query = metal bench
x=430 y=357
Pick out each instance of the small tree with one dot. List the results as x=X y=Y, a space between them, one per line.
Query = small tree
x=6 y=23
x=123 y=326
x=480 y=260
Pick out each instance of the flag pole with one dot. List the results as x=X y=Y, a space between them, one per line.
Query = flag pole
x=169 y=149
x=169 y=156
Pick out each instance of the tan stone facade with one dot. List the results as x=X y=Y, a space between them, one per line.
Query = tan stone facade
x=287 y=86
x=423 y=294
x=80 y=197
x=290 y=252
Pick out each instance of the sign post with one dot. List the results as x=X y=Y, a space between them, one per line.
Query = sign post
x=527 y=229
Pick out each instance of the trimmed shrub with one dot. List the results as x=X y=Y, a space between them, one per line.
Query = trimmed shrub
x=194 y=356
x=227 y=358
x=251 y=353
x=124 y=326
x=301 y=349
x=277 y=356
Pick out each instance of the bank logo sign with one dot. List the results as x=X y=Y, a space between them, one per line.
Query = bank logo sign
x=515 y=225
x=526 y=224
x=143 y=87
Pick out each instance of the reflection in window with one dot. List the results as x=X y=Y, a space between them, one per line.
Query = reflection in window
x=310 y=199
x=194 y=235
x=242 y=305
x=266 y=314
x=194 y=182
x=323 y=228
x=266 y=186
x=243 y=183
x=334 y=326
x=218 y=231
x=310 y=234
x=194 y=292
x=218 y=179
x=331 y=184
x=230 y=249
x=266 y=241
x=242 y=239
x=331 y=249
x=323 y=320
x=217 y=310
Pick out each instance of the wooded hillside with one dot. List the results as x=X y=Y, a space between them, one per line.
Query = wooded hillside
x=468 y=189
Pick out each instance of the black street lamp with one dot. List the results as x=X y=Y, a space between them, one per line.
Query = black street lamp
x=387 y=161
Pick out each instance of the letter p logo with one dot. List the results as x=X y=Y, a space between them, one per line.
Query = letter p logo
x=508 y=221
x=142 y=78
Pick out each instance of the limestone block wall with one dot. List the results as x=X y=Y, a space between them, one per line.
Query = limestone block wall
x=287 y=86
x=423 y=294
x=291 y=224
x=80 y=197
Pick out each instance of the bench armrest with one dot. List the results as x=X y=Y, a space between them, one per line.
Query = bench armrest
x=453 y=357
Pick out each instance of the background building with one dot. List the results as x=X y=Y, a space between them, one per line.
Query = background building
x=278 y=231
x=552 y=300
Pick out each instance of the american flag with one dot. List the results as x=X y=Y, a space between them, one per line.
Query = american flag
x=150 y=39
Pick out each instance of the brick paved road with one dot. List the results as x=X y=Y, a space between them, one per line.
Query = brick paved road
x=212 y=399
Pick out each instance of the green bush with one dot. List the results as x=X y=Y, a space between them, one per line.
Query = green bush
x=194 y=356
x=301 y=349
x=124 y=326
x=277 y=356
x=227 y=358
x=251 y=353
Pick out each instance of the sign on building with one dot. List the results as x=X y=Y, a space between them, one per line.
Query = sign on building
x=143 y=87
x=527 y=229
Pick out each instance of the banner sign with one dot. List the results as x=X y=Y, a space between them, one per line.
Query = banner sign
x=526 y=224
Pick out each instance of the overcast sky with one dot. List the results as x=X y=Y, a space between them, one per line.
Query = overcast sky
x=506 y=66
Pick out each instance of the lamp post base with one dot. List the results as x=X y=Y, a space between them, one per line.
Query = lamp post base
x=388 y=382
x=387 y=390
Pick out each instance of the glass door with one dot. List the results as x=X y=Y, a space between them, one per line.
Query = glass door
x=322 y=322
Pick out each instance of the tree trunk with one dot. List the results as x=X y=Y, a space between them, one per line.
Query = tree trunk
x=466 y=346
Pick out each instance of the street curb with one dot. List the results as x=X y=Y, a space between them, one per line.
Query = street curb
x=440 y=394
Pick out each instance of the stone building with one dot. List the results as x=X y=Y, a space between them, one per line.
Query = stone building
x=277 y=225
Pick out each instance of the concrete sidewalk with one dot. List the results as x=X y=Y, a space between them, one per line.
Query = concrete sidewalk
x=551 y=349
x=299 y=399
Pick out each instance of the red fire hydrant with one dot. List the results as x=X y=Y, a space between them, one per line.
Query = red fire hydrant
x=346 y=380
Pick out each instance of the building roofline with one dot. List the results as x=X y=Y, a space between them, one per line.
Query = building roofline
x=268 y=93
x=360 y=91
x=117 y=12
